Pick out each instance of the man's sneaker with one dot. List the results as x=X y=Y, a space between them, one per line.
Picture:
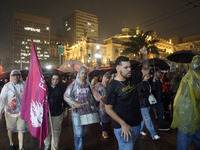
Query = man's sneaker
x=163 y=129
x=12 y=147
x=46 y=148
x=156 y=137
x=143 y=133
x=22 y=149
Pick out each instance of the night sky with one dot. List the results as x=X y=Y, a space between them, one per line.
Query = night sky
x=167 y=17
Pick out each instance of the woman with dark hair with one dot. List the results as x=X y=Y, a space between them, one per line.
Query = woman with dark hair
x=144 y=90
x=58 y=109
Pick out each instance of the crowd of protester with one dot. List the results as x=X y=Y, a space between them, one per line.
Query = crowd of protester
x=122 y=100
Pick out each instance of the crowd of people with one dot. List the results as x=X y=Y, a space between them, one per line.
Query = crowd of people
x=122 y=100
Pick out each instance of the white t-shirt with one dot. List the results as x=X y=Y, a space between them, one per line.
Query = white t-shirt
x=10 y=100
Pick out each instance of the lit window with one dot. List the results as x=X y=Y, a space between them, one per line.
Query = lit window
x=22 y=42
x=66 y=24
x=31 y=29
x=89 y=23
x=36 y=41
x=47 y=28
x=27 y=47
x=92 y=30
x=38 y=48
x=68 y=28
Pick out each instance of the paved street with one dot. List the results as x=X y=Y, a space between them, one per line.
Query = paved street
x=94 y=139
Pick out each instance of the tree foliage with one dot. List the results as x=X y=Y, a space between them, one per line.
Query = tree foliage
x=137 y=41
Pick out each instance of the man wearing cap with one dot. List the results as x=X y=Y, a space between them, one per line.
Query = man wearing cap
x=11 y=100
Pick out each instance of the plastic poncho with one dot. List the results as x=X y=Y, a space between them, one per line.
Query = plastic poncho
x=10 y=100
x=79 y=93
x=186 y=115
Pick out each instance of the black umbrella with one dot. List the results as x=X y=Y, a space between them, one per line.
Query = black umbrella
x=183 y=56
x=134 y=64
x=156 y=62
x=95 y=73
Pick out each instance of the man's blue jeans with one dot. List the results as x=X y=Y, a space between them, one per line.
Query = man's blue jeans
x=147 y=121
x=123 y=144
x=79 y=132
x=184 y=140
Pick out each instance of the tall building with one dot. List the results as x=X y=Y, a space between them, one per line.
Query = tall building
x=81 y=24
x=29 y=27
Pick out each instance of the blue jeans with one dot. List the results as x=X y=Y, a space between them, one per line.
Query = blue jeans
x=147 y=120
x=123 y=144
x=160 y=110
x=79 y=132
x=184 y=140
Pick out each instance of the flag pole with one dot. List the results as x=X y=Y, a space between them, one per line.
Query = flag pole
x=52 y=132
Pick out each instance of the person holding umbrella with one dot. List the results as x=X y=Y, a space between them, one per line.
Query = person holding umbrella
x=157 y=91
x=186 y=116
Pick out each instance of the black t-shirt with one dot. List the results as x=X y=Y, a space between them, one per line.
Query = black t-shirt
x=123 y=95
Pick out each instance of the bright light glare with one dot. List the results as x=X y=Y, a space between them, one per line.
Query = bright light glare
x=97 y=47
x=98 y=55
x=49 y=67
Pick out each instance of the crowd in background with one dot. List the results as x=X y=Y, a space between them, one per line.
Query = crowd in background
x=80 y=91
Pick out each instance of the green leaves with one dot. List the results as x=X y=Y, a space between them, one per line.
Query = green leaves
x=137 y=41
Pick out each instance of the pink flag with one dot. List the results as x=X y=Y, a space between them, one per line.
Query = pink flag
x=35 y=104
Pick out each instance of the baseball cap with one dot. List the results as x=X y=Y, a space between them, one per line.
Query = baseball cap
x=15 y=72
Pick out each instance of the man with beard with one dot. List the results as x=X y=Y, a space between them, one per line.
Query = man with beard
x=122 y=101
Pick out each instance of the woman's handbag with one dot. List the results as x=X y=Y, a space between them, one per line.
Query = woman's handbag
x=152 y=99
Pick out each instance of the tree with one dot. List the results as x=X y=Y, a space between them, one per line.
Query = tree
x=139 y=40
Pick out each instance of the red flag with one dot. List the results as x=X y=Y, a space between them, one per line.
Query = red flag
x=35 y=104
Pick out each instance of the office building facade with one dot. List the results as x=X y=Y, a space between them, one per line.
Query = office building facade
x=79 y=25
x=29 y=27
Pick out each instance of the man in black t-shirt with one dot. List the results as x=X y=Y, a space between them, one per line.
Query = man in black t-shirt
x=122 y=102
